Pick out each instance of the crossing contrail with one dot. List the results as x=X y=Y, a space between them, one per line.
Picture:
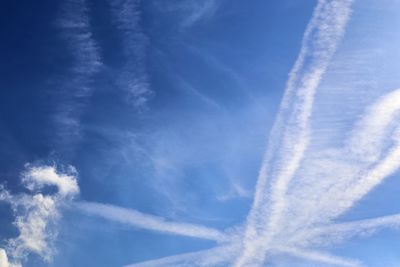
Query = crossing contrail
x=291 y=130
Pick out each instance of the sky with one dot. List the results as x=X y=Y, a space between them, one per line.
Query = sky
x=199 y=133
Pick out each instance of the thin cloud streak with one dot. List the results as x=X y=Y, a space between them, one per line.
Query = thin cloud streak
x=74 y=23
x=368 y=137
x=133 y=78
x=320 y=40
x=206 y=258
x=150 y=222
x=76 y=30
x=317 y=256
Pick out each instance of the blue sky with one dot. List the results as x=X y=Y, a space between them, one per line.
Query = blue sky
x=199 y=133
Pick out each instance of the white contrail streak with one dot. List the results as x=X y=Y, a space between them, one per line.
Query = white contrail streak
x=205 y=258
x=335 y=233
x=319 y=43
x=377 y=123
x=75 y=23
x=369 y=134
x=224 y=254
x=375 y=143
x=150 y=222
x=319 y=257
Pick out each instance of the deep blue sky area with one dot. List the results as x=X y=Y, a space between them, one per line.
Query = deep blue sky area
x=135 y=130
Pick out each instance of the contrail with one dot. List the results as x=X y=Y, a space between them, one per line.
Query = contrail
x=368 y=137
x=377 y=158
x=224 y=254
x=335 y=233
x=150 y=222
x=319 y=43
x=319 y=257
x=372 y=178
x=205 y=258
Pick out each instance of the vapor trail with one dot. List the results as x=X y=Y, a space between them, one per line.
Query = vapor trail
x=373 y=151
x=319 y=43
x=335 y=233
x=205 y=258
x=150 y=222
x=319 y=257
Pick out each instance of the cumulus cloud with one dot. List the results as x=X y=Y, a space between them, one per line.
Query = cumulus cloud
x=209 y=258
x=37 y=213
x=37 y=177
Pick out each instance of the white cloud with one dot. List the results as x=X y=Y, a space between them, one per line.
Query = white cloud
x=37 y=177
x=37 y=214
x=317 y=256
x=76 y=30
x=3 y=258
x=368 y=137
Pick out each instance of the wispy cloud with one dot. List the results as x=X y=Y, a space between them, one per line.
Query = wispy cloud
x=189 y=12
x=133 y=77
x=317 y=256
x=74 y=23
x=198 y=10
x=37 y=213
x=186 y=86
